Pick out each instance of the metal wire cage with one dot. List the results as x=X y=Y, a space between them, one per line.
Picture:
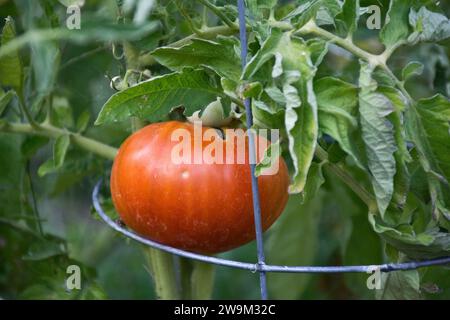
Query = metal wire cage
x=260 y=266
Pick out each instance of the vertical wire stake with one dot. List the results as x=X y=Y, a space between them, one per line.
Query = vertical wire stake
x=252 y=158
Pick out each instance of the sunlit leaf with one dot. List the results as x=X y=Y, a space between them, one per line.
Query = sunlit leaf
x=219 y=56
x=429 y=25
x=378 y=135
x=323 y=11
x=402 y=156
x=427 y=126
x=295 y=71
x=155 y=98
x=396 y=27
x=411 y=69
x=350 y=16
x=337 y=101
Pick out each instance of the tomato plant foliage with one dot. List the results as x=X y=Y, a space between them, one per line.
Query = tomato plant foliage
x=364 y=117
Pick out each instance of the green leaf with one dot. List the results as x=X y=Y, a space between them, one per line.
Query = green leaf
x=60 y=149
x=337 y=102
x=213 y=115
x=318 y=49
x=396 y=27
x=428 y=26
x=252 y=90
x=46 y=168
x=229 y=87
x=402 y=156
x=327 y=11
x=349 y=16
x=5 y=99
x=411 y=69
x=302 y=128
x=271 y=155
x=428 y=244
x=218 y=56
x=268 y=50
x=294 y=239
x=427 y=125
x=155 y=98
x=255 y=7
x=276 y=95
x=323 y=11
x=83 y=121
x=295 y=72
x=303 y=13
x=11 y=68
x=62 y=112
x=378 y=135
x=400 y=285
x=266 y=117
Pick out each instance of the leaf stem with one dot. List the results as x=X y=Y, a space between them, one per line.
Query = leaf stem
x=390 y=50
x=188 y=19
x=398 y=83
x=202 y=280
x=354 y=185
x=34 y=201
x=218 y=13
x=346 y=43
x=82 y=56
x=50 y=131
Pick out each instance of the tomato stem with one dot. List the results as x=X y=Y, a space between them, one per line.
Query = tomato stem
x=196 y=279
x=202 y=280
x=161 y=265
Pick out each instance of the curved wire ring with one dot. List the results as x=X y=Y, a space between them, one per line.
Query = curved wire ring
x=261 y=267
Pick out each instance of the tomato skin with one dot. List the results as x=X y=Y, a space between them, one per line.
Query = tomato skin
x=204 y=208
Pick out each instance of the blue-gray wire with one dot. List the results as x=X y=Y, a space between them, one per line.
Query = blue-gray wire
x=252 y=157
x=256 y=267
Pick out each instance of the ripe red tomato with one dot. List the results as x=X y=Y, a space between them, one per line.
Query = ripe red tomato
x=205 y=208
